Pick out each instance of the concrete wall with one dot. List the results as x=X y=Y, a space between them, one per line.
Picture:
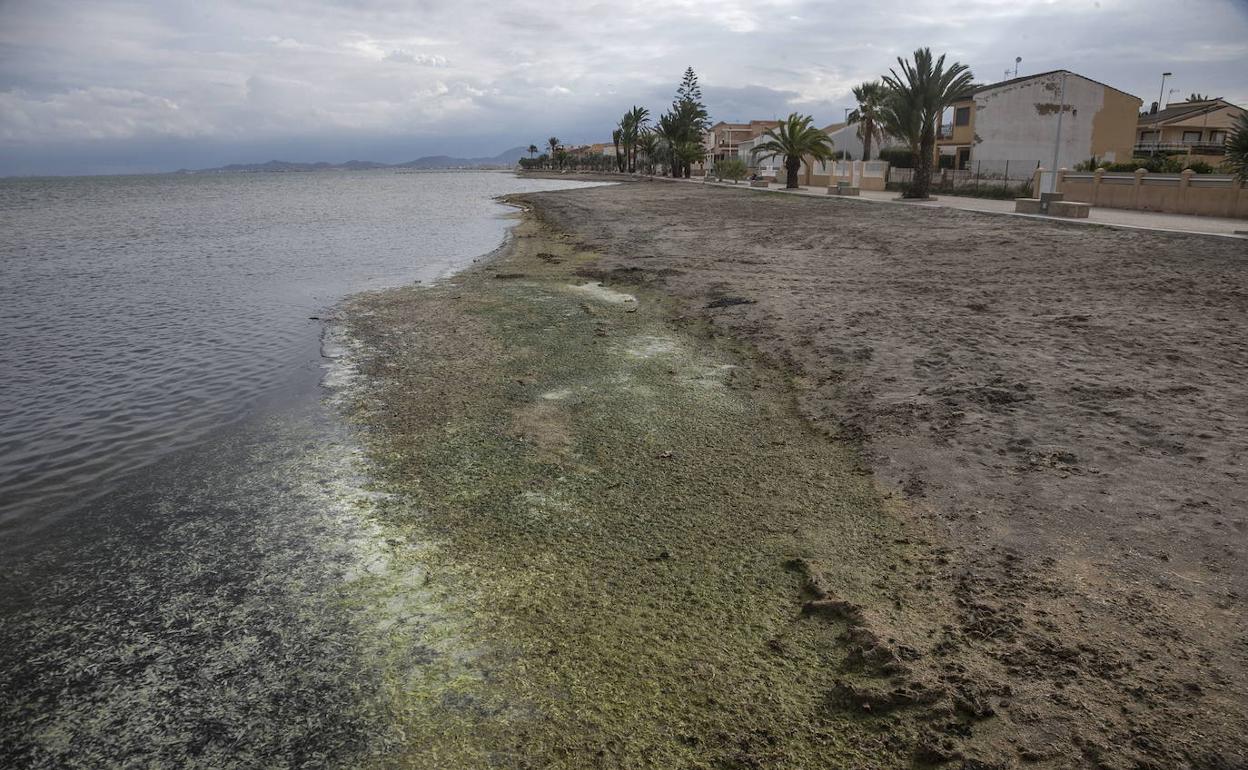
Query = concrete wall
x=1018 y=122
x=1185 y=193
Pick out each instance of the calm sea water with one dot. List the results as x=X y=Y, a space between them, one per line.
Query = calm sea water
x=184 y=561
x=138 y=314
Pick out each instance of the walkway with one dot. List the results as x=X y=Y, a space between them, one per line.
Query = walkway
x=1141 y=220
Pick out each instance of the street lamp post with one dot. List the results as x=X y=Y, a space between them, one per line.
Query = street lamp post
x=1162 y=93
x=1057 y=140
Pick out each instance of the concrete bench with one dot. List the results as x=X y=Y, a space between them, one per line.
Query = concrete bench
x=1069 y=209
x=842 y=188
x=1051 y=204
x=759 y=183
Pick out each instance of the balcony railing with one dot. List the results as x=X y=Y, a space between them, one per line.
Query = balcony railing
x=1193 y=148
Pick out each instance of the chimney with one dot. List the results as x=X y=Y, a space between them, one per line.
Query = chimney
x=1153 y=110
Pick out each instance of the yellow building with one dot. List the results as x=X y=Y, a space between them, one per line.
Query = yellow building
x=1198 y=129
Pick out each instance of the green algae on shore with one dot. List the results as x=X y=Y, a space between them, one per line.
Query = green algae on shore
x=610 y=507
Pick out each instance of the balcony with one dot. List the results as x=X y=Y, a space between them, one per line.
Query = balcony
x=1180 y=148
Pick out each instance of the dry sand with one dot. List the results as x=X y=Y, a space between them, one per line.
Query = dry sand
x=1064 y=410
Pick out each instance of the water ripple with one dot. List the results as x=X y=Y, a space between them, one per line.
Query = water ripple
x=138 y=314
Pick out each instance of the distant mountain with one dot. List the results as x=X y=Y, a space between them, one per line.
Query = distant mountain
x=505 y=159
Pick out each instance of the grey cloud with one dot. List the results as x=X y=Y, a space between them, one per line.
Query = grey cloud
x=101 y=81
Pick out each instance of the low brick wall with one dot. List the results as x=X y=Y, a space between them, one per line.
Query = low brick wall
x=1214 y=195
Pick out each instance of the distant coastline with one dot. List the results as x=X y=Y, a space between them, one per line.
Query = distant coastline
x=504 y=160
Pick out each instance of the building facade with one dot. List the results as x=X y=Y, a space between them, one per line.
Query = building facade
x=1015 y=123
x=722 y=140
x=1197 y=129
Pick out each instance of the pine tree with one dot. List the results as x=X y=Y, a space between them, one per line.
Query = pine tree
x=689 y=90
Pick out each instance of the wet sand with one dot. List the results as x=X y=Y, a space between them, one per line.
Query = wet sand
x=1063 y=411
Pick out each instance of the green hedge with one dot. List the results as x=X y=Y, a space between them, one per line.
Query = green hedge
x=1157 y=164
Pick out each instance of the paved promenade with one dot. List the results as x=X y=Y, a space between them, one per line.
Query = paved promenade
x=1145 y=220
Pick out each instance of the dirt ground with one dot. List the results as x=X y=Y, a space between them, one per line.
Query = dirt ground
x=1063 y=408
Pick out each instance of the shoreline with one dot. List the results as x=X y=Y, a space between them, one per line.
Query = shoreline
x=594 y=476
x=977 y=646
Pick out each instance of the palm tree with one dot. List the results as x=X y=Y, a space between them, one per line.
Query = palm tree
x=1237 y=148
x=670 y=134
x=795 y=138
x=648 y=148
x=929 y=88
x=688 y=153
x=617 y=136
x=631 y=127
x=532 y=151
x=901 y=120
x=870 y=96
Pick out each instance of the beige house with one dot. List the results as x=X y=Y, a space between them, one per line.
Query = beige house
x=1015 y=122
x=722 y=139
x=1197 y=129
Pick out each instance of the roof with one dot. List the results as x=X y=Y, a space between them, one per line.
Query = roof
x=1012 y=81
x=1183 y=110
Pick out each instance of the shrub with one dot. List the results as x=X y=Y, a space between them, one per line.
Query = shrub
x=1156 y=164
x=730 y=168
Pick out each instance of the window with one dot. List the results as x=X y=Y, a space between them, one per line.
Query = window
x=962 y=117
x=1217 y=137
x=1191 y=136
x=1149 y=136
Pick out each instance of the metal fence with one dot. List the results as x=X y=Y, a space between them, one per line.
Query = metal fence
x=979 y=175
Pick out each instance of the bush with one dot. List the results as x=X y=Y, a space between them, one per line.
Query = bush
x=1004 y=192
x=1157 y=164
x=730 y=168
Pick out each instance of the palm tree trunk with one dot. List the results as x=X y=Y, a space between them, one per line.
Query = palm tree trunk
x=923 y=171
x=868 y=128
x=792 y=166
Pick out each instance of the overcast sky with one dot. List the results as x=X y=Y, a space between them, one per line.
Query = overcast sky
x=98 y=86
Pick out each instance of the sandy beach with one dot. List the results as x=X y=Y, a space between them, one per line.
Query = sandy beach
x=758 y=481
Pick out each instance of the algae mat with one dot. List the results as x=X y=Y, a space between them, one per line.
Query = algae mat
x=618 y=526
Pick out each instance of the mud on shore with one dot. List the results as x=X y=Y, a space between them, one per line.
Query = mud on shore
x=644 y=556
x=1062 y=408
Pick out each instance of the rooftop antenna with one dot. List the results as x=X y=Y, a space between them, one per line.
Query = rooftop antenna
x=1017 y=60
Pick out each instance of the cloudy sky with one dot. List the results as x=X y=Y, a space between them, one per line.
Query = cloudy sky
x=99 y=86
